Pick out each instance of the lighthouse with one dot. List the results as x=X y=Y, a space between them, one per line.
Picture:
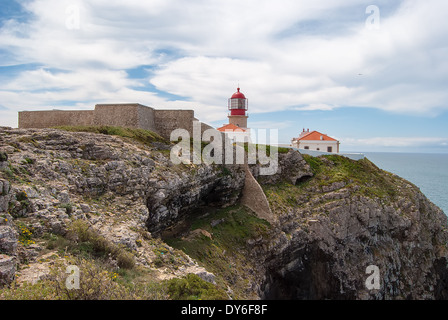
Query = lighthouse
x=238 y=106
x=237 y=129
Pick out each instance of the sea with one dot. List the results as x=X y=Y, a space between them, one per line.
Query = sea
x=427 y=171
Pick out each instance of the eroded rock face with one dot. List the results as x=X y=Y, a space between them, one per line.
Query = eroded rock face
x=327 y=232
x=92 y=165
x=174 y=197
x=8 y=250
x=118 y=186
x=8 y=239
x=291 y=167
x=7 y=268
x=5 y=196
x=325 y=244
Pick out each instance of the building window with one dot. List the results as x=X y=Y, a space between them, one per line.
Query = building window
x=318 y=149
x=329 y=149
x=307 y=148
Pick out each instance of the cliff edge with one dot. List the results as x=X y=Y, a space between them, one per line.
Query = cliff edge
x=110 y=199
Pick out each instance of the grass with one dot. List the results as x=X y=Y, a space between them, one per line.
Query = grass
x=144 y=136
x=373 y=181
x=225 y=254
x=27 y=160
x=281 y=196
x=268 y=148
x=96 y=282
x=99 y=280
x=18 y=174
x=68 y=207
x=30 y=140
x=370 y=181
x=84 y=242
x=192 y=287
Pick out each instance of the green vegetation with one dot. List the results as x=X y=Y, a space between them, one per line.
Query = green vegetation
x=20 y=206
x=25 y=235
x=221 y=248
x=27 y=160
x=192 y=287
x=373 y=181
x=369 y=180
x=282 y=196
x=18 y=174
x=3 y=156
x=30 y=140
x=88 y=243
x=268 y=148
x=99 y=279
x=84 y=242
x=68 y=207
x=96 y=282
x=144 y=136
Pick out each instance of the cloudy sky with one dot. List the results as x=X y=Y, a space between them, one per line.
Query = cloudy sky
x=376 y=86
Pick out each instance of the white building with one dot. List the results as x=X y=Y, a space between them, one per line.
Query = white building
x=235 y=133
x=315 y=141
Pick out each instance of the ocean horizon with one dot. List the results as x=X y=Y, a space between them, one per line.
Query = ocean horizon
x=428 y=171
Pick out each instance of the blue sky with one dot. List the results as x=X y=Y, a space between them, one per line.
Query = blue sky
x=302 y=64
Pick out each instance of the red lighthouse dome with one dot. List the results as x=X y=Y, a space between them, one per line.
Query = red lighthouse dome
x=238 y=95
x=238 y=104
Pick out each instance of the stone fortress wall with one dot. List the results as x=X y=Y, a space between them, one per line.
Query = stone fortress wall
x=138 y=116
x=131 y=115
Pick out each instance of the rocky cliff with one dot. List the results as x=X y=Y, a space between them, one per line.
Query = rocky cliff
x=332 y=218
x=352 y=215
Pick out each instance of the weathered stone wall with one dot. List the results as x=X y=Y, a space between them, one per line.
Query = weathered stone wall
x=168 y=120
x=145 y=117
x=121 y=115
x=52 y=118
x=205 y=127
x=131 y=115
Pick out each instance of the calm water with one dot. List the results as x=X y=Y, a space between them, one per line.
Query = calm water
x=429 y=172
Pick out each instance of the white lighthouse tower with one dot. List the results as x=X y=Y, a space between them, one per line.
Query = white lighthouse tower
x=237 y=129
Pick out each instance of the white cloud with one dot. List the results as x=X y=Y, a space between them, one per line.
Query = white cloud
x=316 y=106
x=285 y=54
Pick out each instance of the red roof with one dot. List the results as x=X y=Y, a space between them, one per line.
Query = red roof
x=230 y=127
x=316 y=136
x=238 y=95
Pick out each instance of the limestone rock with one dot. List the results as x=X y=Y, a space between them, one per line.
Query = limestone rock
x=326 y=242
x=8 y=239
x=5 y=196
x=7 y=269
x=85 y=208
x=327 y=233
x=291 y=167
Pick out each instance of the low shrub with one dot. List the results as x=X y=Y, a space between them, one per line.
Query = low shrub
x=143 y=136
x=192 y=287
x=92 y=243
x=95 y=283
